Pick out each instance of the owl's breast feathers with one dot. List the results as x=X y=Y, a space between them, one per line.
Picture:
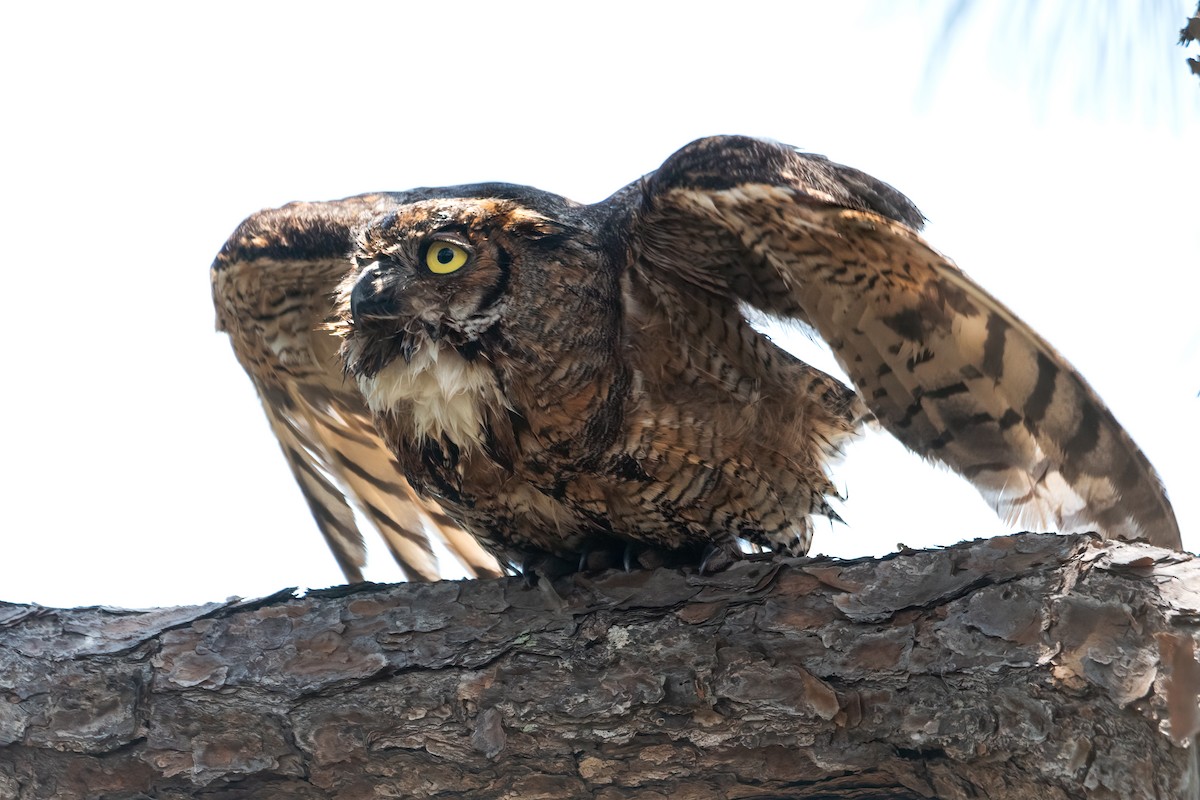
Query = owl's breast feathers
x=635 y=408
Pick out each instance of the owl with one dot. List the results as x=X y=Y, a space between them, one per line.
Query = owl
x=564 y=379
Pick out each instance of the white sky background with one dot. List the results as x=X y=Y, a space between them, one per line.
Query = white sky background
x=140 y=468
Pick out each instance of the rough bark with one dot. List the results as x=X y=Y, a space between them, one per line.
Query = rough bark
x=1018 y=667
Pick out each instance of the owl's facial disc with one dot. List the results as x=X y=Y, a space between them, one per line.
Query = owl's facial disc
x=437 y=271
x=445 y=287
x=441 y=284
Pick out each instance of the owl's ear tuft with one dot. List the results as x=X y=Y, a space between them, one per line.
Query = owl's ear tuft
x=532 y=225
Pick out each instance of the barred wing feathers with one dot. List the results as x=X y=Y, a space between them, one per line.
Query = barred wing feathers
x=944 y=366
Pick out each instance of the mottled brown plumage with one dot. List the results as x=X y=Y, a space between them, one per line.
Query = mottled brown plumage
x=562 y=376
x=273 y=283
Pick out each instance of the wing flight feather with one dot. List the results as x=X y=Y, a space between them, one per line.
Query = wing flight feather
x=943 y=365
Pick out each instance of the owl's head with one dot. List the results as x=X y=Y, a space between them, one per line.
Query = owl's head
x=441 y=270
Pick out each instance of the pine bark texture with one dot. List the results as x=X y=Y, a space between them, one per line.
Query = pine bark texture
x=1030 y=666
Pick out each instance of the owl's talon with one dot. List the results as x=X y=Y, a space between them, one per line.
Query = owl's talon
x=719 y=557
x=544 y=566
x=529 y=575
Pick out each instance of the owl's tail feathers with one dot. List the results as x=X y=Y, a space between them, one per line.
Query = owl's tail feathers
x=958 y=378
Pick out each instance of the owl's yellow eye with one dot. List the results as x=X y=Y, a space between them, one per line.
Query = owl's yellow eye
x=444 y=257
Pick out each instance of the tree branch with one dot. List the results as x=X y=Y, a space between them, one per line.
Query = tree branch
x=1026 y=666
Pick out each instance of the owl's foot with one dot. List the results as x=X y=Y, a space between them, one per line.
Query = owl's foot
x=536 y=566
x=720 y=557
x=598 y=559
x=631 y=556
x=601 y=555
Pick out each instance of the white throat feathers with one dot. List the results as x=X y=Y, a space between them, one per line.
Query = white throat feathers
x=440 y=391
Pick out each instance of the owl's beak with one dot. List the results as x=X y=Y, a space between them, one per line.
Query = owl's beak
x=373 y=296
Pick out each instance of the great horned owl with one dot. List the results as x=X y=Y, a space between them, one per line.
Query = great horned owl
x=563 y=377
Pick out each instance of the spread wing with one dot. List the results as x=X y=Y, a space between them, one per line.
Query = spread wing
x=943 y=365
x=272 y=283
